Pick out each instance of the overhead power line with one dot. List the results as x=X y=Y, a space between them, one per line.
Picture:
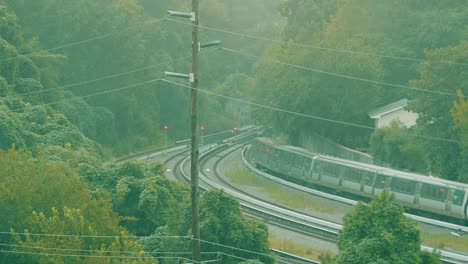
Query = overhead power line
x=273 y=108
x=80 y=42
x=113 y=75
x=85 y=236
x=340 y=75
x=89 y=95
x=123 y=252
x=104 y=78
x=321 y=48
x=103 y=251
x=86 y=256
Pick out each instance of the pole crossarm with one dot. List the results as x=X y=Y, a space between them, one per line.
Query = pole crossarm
x=182 y=14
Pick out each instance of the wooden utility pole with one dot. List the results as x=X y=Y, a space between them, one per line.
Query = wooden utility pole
x=194 y=142
x=194 y=153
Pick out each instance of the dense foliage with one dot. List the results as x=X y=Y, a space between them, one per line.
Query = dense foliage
x=403 y=52
x=79 y=83
x=38 y=196
x=379 y=233
x=223 y=228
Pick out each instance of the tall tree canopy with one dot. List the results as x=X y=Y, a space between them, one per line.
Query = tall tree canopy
x=379 y=233
x=43 y=197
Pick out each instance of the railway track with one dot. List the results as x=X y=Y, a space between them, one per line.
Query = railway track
x=446 y=256
x=303 y=222
x=274 y=214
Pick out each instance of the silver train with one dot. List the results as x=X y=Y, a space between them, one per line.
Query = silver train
x=427 y=195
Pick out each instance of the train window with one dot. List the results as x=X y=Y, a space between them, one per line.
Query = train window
x=329 y=169
x=285 y=157
x=352 y=174
x=403 y=186
x=458 y=197
x=307 y=163
x=380 y=181
x=298 y=161
x=434 y=192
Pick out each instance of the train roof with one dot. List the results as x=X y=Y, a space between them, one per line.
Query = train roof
x=356 y=164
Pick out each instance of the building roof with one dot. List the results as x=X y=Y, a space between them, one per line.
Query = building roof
x=379 y=112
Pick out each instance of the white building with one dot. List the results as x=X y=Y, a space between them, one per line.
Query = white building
x=395 y=111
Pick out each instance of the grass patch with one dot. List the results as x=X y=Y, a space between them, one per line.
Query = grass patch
x=445 y=241
x=296 y=199
x=296 y=248
x=282 y=194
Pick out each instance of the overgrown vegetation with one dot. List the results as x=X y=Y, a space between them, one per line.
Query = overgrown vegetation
x=79 y=84
x=379 y=233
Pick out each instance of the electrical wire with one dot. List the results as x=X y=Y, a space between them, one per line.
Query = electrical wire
x=81 y=41
x=102 y=78
x=302 y=114
x=114 y=75
x=89 y=95
x=318 y=47
x=340 y=75
x=104 y=251
x=122 y=252
x=232 y=248
x=86 y=236
x=233 y=256
x=87 y=256
x=105 y=77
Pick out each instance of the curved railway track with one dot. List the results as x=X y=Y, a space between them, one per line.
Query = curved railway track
x=273 y=214
x=329 y=235
x=302 y=222
x=250 y=209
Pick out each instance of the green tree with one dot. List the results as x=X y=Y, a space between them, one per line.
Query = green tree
x=38 y=196
x=143 y=198
x=435 y=119
x=460 y=118
x=314 y=93
x=379 y=233
x=399 y=147
x=223 y=228
x=222 y=222
x=134 y=117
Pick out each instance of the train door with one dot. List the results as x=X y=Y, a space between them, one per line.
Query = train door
x=306 y=169
x=340 y=177
x=448 y=203
x=274 y=159
x=455 y=206
x=416 y=194
x=368 y=182
x=314 y=172
x=379 y=183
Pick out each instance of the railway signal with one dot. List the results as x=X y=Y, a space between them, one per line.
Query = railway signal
x=202 y=129
x=166 y=127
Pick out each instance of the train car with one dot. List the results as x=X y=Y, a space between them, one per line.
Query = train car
x=427 y=195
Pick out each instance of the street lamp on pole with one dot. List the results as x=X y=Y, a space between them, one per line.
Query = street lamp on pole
x=202 y=129
x=165 y=130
